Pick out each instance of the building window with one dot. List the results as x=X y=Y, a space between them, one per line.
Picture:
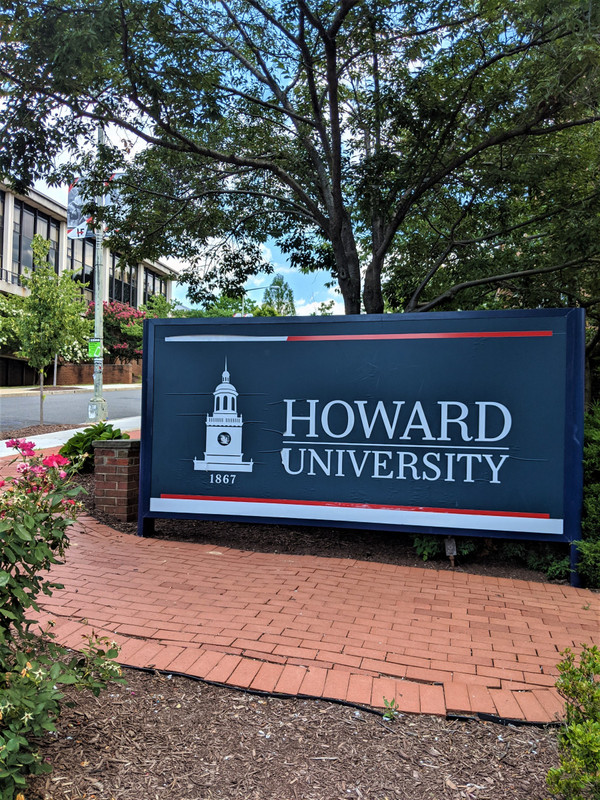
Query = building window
x=81 y=257
x=27 y=222
x=153 y=284
x=122 y=282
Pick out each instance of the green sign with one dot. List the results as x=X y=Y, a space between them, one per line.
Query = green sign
x=94 y=348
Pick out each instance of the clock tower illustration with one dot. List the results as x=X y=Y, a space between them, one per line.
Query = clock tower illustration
x=224 y=432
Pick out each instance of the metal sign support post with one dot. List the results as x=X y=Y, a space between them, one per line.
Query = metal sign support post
x=97 y=408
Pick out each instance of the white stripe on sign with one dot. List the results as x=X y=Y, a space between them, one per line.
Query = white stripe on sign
x=380 y=516
x=217 y=337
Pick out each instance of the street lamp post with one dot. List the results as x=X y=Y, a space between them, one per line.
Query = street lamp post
x=256 y=289
x=97 y=408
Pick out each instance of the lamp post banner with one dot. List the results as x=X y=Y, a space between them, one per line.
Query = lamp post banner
x=456 y=423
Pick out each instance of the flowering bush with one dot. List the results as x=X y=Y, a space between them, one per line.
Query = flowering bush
x=36 y=507
x=122 y=331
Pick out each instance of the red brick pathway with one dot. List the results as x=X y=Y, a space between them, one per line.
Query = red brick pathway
x=436 y=641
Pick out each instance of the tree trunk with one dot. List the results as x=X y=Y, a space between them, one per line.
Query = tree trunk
x=372 y=294
x=350 y=293
x=347 y=264
x=41 y=397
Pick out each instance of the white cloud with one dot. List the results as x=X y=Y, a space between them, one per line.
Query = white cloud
x=257 y=282
x=266 y=252
x=280 y=269
x=305 y=309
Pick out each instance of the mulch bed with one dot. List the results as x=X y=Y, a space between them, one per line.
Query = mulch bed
x=171 y=738
x=167 y=737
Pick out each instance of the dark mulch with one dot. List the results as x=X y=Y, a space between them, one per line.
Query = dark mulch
x=34 y=430
x=171 y=738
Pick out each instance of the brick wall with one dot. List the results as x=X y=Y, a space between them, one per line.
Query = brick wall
x=117 y=474
x=74 y=374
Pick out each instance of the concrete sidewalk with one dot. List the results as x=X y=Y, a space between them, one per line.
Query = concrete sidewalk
x=26 y=391
x=54 y=441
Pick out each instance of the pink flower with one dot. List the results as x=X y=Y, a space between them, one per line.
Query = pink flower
x=21 y=468
x=62 y=474
x=2 y=482
x=55 y=460
x=26 y=448
x=38 y=470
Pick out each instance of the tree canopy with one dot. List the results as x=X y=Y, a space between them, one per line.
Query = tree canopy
x=414 y=145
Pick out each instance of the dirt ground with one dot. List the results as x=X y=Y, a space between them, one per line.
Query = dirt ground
x=167 y=737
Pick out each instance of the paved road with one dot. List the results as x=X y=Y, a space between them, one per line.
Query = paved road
x=65 y=408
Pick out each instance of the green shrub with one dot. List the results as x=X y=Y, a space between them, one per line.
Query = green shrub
x=589 y=563
x=428 y=547
x=79 y=446
x=32 y=673
x=551 y=559
x=432 y=547
x=578 y=777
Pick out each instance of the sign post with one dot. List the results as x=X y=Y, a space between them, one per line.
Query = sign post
x=97 y=407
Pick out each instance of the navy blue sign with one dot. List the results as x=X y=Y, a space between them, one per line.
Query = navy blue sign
x=464 y=423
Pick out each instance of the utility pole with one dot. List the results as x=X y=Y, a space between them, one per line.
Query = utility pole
x=97 y=409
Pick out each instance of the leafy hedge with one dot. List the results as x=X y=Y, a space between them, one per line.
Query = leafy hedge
x=589 y=548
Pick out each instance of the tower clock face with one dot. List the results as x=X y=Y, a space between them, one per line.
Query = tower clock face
x=223 y=438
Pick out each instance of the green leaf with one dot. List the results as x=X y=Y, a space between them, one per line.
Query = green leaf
x=23 y=533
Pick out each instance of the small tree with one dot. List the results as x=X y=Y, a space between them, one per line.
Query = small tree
x=280 y=295
x=52 y=317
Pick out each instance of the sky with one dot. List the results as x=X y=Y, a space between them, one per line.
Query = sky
x=309 y=290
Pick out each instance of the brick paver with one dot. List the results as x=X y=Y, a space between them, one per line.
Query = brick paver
x=436 y=641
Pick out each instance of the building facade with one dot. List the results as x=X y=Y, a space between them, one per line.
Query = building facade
x=21 y=217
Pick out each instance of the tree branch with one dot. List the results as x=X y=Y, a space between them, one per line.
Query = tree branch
x=459 y=287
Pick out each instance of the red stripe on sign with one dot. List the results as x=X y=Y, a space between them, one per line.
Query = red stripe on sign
x=446 y=335
x=354 y=505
